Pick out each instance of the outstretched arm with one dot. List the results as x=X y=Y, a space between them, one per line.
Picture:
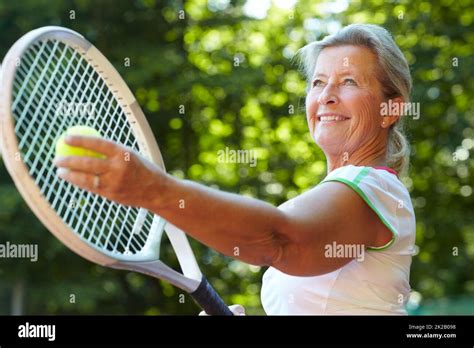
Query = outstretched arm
x=238 y=226
x=294 y=241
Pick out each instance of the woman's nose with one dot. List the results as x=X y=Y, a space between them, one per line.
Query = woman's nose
x=328 y=96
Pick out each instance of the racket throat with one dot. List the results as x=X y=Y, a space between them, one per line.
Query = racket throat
x=158 y=269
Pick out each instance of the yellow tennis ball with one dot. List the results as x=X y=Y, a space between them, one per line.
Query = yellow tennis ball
x=63 y=149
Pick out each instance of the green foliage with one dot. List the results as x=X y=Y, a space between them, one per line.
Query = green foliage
x=218 y=78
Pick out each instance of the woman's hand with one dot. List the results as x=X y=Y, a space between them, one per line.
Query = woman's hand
x=124 y=176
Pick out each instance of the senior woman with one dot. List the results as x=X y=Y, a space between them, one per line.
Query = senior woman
x=342 y=247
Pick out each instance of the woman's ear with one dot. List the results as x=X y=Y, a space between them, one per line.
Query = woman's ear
x=391 y=110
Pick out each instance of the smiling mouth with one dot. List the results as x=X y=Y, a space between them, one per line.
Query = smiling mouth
x=331 y=118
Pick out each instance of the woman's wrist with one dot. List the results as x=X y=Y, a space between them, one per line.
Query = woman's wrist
x=160 y=196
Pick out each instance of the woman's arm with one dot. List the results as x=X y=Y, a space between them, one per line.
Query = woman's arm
x=294 y=240
x=244 y=228
x=291 y=240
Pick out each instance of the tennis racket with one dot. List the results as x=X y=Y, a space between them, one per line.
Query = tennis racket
x=51 y=79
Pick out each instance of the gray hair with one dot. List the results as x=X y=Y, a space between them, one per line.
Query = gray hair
x=392 y=72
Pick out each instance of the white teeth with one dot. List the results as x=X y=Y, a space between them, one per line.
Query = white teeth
x=332 y=118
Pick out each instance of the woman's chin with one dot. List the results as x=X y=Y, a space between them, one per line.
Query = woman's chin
x=328 y=143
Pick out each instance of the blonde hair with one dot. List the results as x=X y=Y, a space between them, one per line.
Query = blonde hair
x=393 y=73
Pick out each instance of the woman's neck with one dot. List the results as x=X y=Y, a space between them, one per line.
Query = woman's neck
x=369 y=160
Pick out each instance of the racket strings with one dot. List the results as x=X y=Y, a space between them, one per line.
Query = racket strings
x=128 y=243
x=50 y=74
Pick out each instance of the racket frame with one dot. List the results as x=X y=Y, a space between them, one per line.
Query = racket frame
x=192 y=278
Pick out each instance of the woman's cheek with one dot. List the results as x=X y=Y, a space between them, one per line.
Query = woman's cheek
x=372 y=112
x=311 y=109
x=364 y=121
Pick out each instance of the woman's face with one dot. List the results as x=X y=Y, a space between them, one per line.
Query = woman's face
x=343 y=104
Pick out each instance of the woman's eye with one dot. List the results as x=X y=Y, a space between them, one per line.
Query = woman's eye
x=317 y=83
x=350 y=82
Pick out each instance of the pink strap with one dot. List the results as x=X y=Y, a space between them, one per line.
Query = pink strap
x=390 y=170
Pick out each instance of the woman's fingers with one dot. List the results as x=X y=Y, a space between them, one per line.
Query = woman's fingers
x=82 y=164
x=83 y=180
x=106 y=147
x=237 y=309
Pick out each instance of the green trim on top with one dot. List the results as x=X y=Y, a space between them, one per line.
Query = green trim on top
x=361 y=175
x=353 y=185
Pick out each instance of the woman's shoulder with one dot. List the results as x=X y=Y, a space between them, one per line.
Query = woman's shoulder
x=356 y=175
x=386 y=195
x=380 y=183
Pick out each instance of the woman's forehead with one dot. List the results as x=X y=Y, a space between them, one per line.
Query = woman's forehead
x=346 y=59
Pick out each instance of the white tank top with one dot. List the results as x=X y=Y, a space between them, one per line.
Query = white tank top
x=377 y=285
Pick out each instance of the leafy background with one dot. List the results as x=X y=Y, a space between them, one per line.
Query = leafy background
x=219 y=73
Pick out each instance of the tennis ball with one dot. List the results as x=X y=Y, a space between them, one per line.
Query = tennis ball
x=63 y=149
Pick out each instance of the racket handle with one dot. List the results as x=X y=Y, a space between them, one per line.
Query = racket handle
x=209 y=300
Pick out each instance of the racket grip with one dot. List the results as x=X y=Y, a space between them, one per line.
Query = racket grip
x=206 y=297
